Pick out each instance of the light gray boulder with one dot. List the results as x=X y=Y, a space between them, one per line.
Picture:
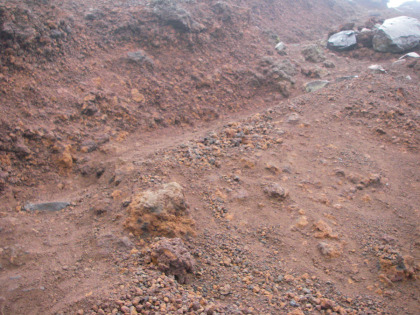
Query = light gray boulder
x=397 y=35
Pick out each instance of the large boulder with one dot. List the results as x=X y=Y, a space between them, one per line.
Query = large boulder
x=397 y=35
x=341 y=41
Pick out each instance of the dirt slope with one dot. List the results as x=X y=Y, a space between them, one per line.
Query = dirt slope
x=303 y=203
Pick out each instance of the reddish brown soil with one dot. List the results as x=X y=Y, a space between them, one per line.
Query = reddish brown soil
x=80 y=123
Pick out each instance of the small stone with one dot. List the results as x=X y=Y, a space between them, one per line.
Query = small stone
x=329 y=64
x=139 y=57
x=293 y=118
x=316 y=85
x=133 y=310
x=56 y=34
x=66 y=159
x=398 y=63
x=272 y=168
x=275 y=191
x=226 y=290
x=125 y=241
x=293 y=303
x=323 y=230
x=93 y=14
x=47 y=206
x=329 y=250
x=326 y=304
x=281 y=48
x=302 y=222
x=410 y=55
x=377 y=69
x=137 y=96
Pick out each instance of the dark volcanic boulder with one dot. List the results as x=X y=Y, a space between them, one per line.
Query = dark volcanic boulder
x=345 y=40
x=397 y=35
x=170 y=13
x=365 y=37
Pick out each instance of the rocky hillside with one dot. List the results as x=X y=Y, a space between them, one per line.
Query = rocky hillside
x=75 y=75
x=182 y=156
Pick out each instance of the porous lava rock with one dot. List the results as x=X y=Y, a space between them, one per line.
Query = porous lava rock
x=173 y=258
x=163 y=212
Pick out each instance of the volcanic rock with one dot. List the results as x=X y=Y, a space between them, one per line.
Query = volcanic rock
x=345 y=40
x=139 y=57
x=315 y=85
x=281 y=48
x=47 y=206
x=275 y=191
x=172 y=257
x=313 y=53
x=170 y=13
x=162 y=212
x=397 y=35
x=365 y=37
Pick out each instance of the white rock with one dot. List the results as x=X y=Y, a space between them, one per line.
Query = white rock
x=377 y=68
x=281 y=47
x=410 y=55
